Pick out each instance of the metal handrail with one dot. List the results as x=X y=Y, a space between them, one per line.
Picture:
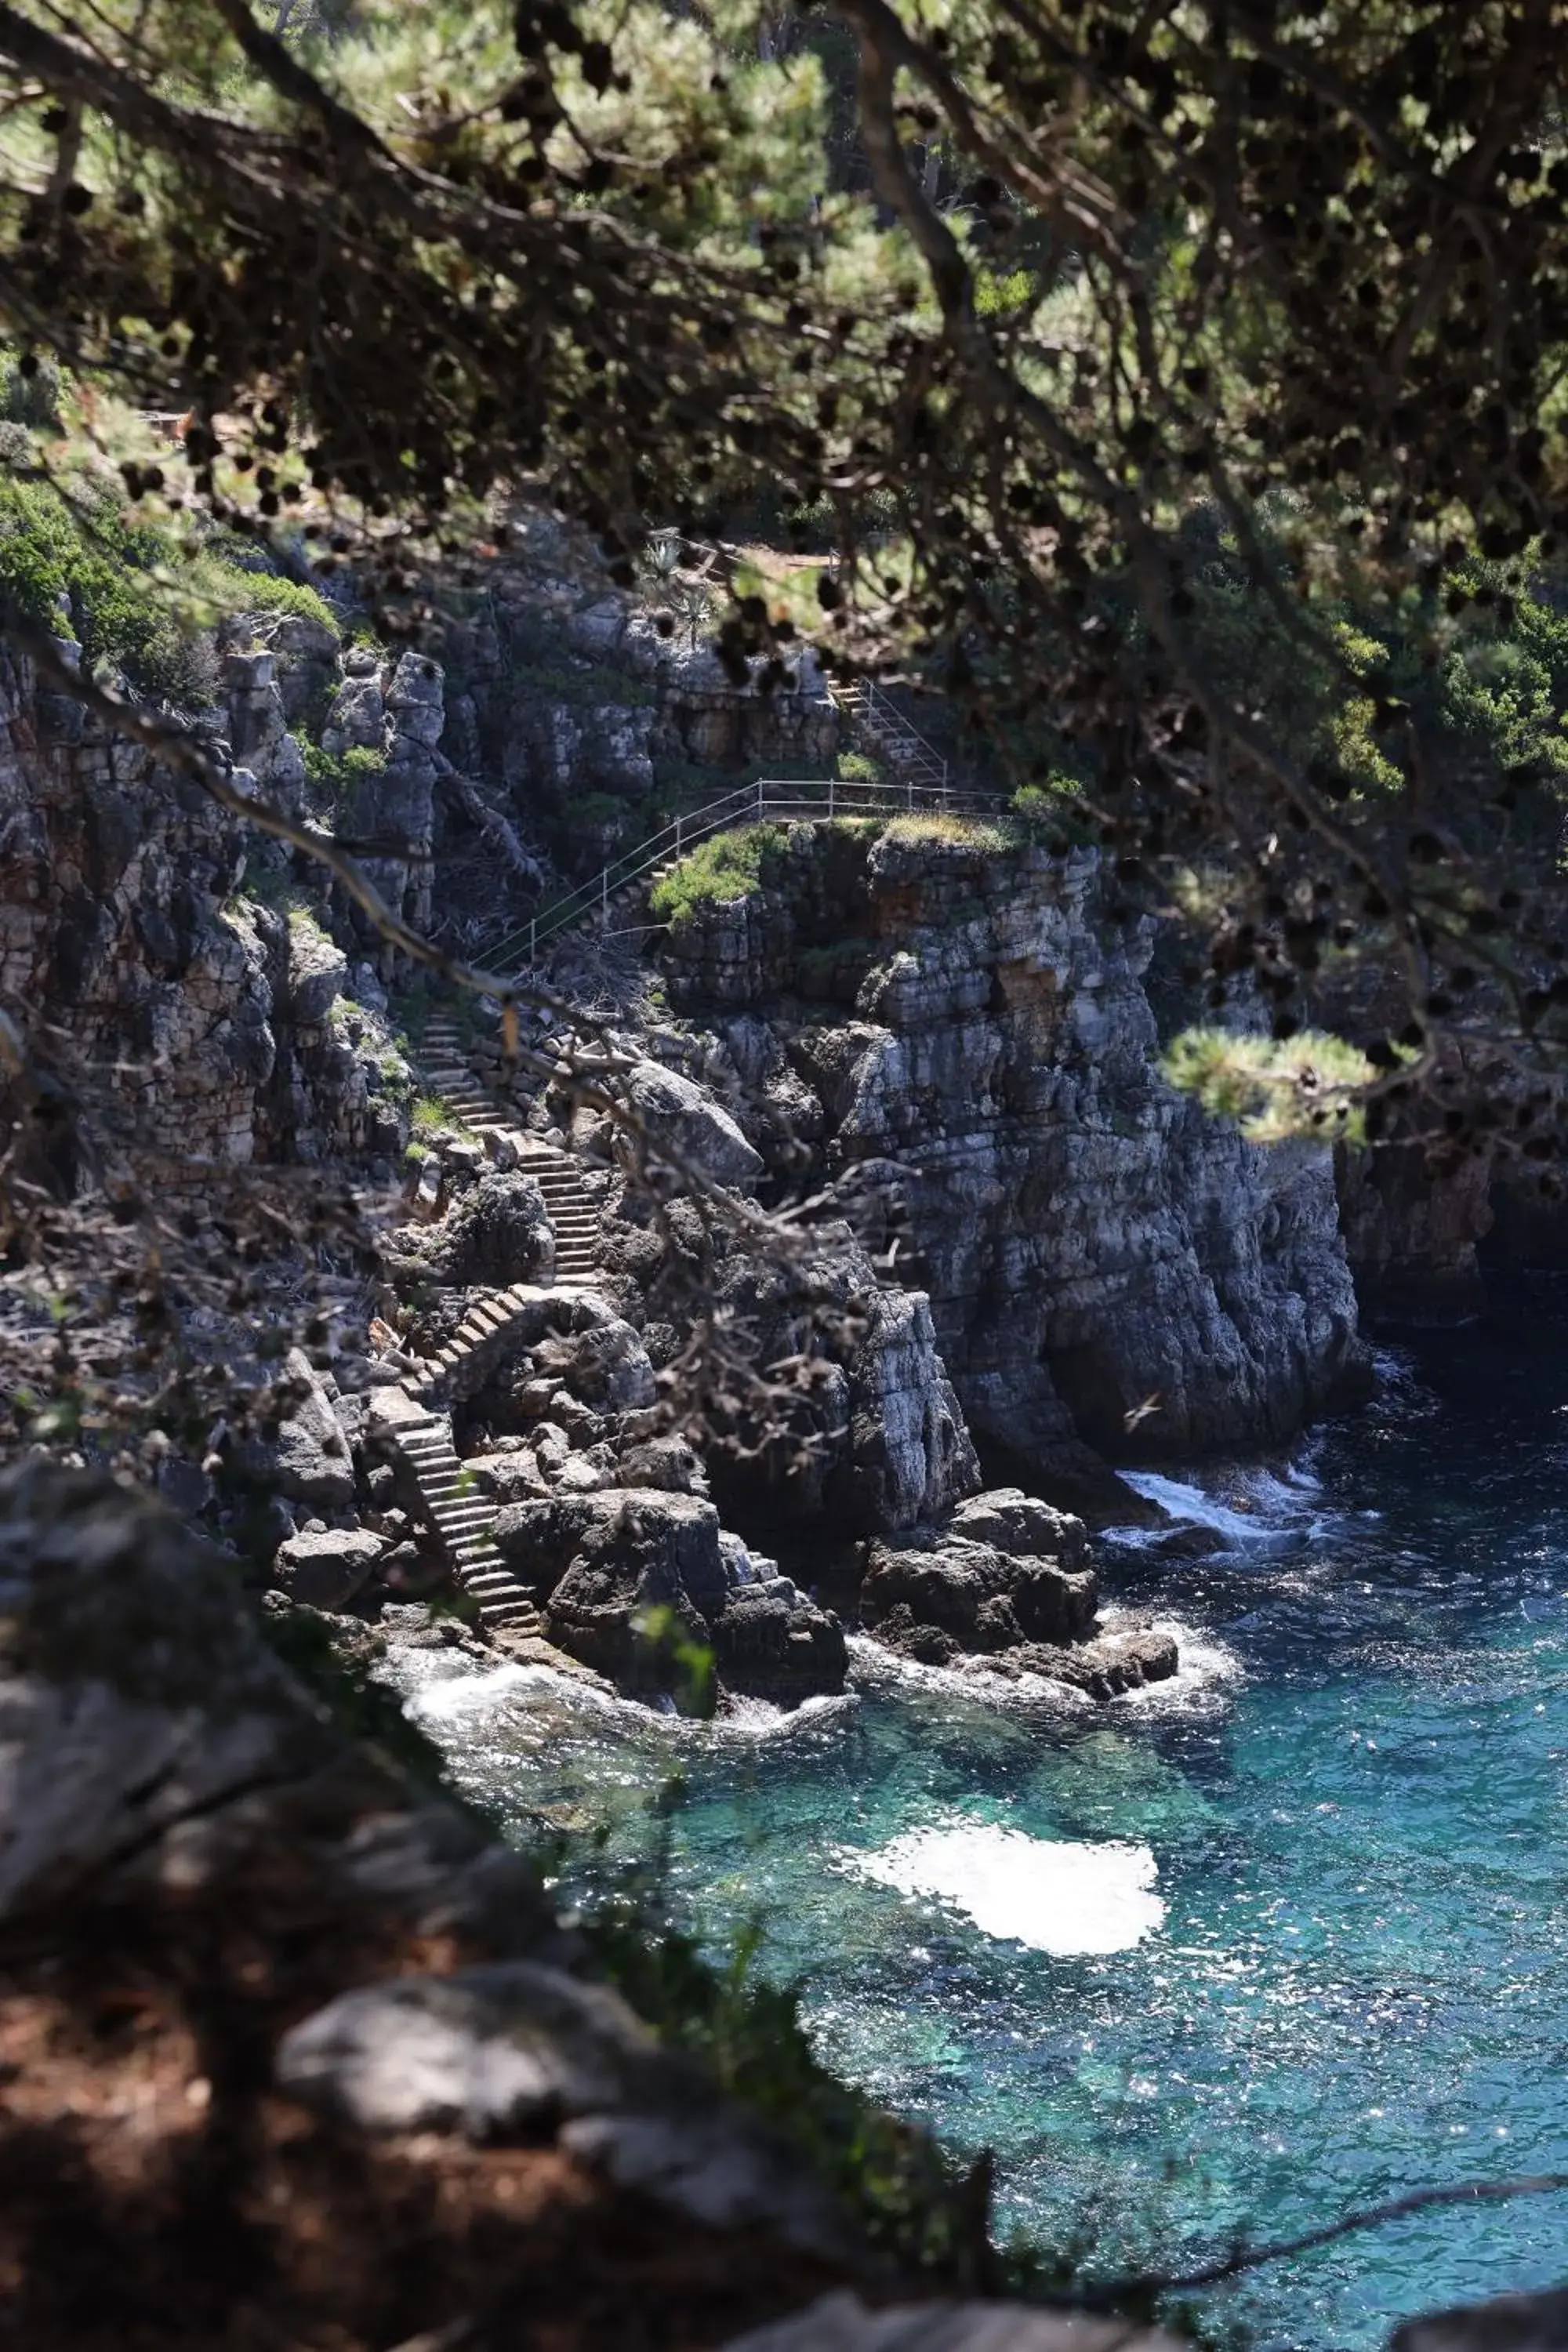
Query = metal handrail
x=783 y=798
x=862 y=699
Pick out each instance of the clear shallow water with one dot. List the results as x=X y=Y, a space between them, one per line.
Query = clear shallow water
x=1228 y=1956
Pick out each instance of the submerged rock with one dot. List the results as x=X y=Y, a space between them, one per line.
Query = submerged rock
x=1104 y=1666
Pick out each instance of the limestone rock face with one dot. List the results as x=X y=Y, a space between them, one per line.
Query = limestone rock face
x=150 y=1741
x=125 y=920
x=889 y=1442
x=309 y=1459
x=1411 y=1235
x=493 y=2052
x=1091 y=1240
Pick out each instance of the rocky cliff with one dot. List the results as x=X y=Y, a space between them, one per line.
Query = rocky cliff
x=162 y=944
x=958 y=1026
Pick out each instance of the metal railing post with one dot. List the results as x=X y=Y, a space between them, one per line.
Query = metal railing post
x=830 y=783
x=758 y=800
x=533 y=950
x=678 y=833
x=605 y=900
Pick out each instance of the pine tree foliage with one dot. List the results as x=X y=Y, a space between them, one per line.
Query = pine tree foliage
x=1182 y=384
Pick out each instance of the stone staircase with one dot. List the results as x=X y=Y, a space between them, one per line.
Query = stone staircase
x=445 y=1066
x=482 y=1336
x=464 y=1519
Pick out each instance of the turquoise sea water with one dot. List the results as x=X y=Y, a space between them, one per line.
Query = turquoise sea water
x=1228 y=1956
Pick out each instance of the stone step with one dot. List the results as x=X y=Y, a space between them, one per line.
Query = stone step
x=521 y=1615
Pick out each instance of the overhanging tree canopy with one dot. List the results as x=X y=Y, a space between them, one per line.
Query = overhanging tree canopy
x=1207 y=359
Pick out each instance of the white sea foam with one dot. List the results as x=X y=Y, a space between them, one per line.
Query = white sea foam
x=1205 y=1672
x=438 y=1687
x=1053 y=1894
x=1204 y=1668
x=872 y=1663
x=1258 y=1528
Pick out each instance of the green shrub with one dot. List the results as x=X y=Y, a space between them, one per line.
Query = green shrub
x=34 y=399
x=102 y=564
x=433 y=1117
x=334 y=776
x=236 y=588
x=728 y=865
x=857 y=768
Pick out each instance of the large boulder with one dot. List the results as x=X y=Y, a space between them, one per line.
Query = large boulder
x=308 y=1460
x=677 y=1113
x=980 y=1598
x=1021 y=1524
x=494 y=1234
x=602 y=1563
x=772 y=1642
x=606 y=1364
x=326 y=1568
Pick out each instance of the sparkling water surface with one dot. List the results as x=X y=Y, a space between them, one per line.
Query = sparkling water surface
x=1227 y=1957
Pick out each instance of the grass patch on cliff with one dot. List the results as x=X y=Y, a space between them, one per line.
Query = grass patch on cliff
x=125 y=590
x=236 y=588
x=987 y=836
x=729 y=866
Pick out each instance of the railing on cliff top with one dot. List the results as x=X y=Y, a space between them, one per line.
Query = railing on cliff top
x=770 y=800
